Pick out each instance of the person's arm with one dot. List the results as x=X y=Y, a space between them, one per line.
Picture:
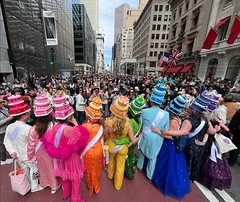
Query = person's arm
x=31 y=146
x=8 y=144
x=131 y=135
x=212 y=130
x=184 y=130
x=202 y=143
x=3 y=121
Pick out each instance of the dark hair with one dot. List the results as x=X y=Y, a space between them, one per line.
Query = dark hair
x=136 y=118
x=228 y=98
x=42 y=124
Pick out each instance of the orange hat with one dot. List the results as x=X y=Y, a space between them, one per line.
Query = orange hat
x=94 y=108
x=120 y=107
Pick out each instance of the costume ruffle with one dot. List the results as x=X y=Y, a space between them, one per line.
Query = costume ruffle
x=75 y=142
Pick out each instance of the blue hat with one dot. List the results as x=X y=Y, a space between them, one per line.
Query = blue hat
x=177 y=105
x=158 y=94
x=200 y=104
x=213 y=99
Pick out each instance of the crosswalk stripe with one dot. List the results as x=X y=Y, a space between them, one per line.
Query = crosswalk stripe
x=209 y=195
x=224 y=195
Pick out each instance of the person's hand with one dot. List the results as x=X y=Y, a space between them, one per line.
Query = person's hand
x=155 y=130
x=199 y=143
x=73 y=121
x=14 y=155
x=10 y=118
x=164 y=132
x=217 y=128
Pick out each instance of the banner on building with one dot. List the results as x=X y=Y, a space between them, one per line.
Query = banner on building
x=234 y=31
x=209 y=41
x=50 y=28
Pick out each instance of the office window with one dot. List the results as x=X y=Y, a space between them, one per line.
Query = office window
x=195 y=19
x=174 y=32
x=156 y=45
x=157 y=36
x=180 y=11
x=153 y=36
x=167 y=36
x=159 y=17
x=152 y=64
x=155 y=18
x=152 y=45
x=162 y=45
x=153 y=27
x=158 y=27
x=223 y=31
x=195 y=2
x=163 y=36
x=187 y=6
x=167 y=8
x=174 y=16
x=160 y=7
x=151 y=53
x=155 y=53
x=165 y=17
x=164 y=27
x=156 y=7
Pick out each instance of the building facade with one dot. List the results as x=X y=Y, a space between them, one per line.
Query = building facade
x=222 y=60
x=100 y=53
x=84 y=41
x=92 y=8
x=29 y=54
x=151 y=36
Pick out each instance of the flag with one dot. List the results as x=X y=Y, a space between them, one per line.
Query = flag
x=160 y=60
x=234 y=31
x=209 y=41
x=174 y=58
x=166 y=58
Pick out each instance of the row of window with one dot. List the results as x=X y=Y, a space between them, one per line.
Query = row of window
x=159 y=18
x=158 y=27
x=161 y=7
x=157 y=36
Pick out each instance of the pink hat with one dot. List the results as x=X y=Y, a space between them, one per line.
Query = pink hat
x=17 y=105
x=62 y=107
x=42 y=106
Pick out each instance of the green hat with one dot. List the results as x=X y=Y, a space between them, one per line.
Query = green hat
x=136 y=106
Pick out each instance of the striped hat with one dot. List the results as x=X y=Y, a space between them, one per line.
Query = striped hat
x=94 y=110
x=177 y=105
x=136 y=106
x=120 y=107
x=158 y=94
x=200 y=104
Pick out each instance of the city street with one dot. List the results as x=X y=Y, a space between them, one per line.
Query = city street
x=139 y=190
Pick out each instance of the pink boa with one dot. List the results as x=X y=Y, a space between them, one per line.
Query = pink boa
x=75 y=141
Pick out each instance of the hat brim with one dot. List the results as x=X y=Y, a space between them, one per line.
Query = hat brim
x=20 y=113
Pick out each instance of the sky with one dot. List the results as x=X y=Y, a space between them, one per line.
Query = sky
x=106 y=23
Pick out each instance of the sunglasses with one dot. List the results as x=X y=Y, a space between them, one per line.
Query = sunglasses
x=2 y=102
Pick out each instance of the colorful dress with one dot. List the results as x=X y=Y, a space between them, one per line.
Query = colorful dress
x=117 y=159
x=44 y=161
x=93 y=160
x=131 y=161
x=67 y=162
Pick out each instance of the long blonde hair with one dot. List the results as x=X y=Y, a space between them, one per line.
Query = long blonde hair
x=118 y=125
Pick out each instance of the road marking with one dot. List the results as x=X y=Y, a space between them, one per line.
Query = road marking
x=224 y=195
x=209 y=195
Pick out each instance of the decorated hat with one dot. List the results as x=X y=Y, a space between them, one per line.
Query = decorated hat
x=158 y=94
x=200 y=104
x=94 y=109
x=42 y=106
x=136 y=106
x=62 y=108
x=120 y=107
x=213 y=99
x=177 y=105
x=17 y=105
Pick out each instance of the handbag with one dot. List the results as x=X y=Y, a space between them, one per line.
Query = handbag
x=223 y=143
x=19 y=180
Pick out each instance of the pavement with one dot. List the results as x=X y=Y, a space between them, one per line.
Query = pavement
x=138 y=190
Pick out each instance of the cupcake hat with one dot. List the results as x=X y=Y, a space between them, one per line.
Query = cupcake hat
x=200 y=104
x=177 y=105
x=158 y=94
x=17 y=105
x=94 y=110
x=120 y=107
x=42 y=106
x=136 y=106
x=213 y=99
x=62 y=108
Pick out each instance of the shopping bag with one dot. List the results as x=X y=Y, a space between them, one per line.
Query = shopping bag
x=223 y=143
x=19 y=180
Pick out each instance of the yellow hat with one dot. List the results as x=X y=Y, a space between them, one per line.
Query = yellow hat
x=120 y=107
x=94 y=109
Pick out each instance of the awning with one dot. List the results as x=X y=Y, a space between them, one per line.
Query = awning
x=186 y=68
x=189 y=42
x=178 y=46
x=174 y=69
x=164 y=69
x=222 y=22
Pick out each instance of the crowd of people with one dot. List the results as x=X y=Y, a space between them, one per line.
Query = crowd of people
x=59 y=129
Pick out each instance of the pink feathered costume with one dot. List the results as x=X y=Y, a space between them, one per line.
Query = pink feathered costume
x=68 y=166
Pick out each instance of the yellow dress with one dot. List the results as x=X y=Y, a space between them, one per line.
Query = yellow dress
x=116 y=164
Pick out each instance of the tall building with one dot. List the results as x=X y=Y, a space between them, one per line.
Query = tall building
x=28 y=52
x=223 y=59
x=151 y=36
x=84 y=41
x=5 y=66
x=100 y=53
x=92 y=8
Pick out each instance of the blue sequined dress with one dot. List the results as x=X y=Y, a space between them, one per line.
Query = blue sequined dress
x=171 y=172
